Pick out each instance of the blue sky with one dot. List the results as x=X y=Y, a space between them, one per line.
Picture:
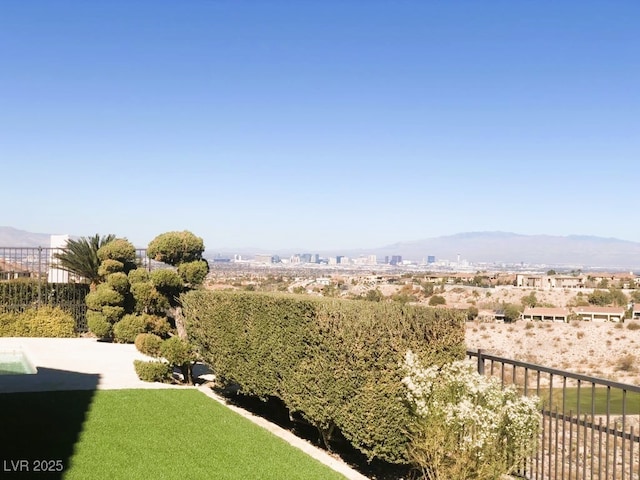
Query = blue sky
x=320 y=124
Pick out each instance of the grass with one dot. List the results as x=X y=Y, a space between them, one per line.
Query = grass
x=142 y=434
x=599 y=401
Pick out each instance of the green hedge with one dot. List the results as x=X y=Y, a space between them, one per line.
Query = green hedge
x=336 y=362
x=38 y=322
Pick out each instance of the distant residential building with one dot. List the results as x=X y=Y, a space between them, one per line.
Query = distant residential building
x=549 y=281
x=600 y=314
x=545 y=314
x=635 y=311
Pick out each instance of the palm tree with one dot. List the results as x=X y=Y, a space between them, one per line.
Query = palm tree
x=80 y=257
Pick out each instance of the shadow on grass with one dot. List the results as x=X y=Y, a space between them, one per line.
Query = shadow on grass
x=275 y=411
x=39 y=429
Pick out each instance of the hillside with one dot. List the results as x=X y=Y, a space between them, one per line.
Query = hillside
x=12 y=237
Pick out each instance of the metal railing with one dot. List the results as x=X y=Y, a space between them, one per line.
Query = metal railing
x=590 y=425
x=29 y=278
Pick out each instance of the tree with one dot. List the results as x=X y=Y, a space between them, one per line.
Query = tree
x=551 y=272
x=600 y=298
x=511 y=312
x=182 y=250
x=529 y=300
x=80 y=257
x=618 y=298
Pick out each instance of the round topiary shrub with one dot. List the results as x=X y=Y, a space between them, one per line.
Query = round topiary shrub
x=153 y=371
x=98 y=324
x=127 y=329
x=158 y=325
x=177 y=351
x=149 y=344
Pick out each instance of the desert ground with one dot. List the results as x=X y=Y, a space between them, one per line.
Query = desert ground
x=600 y=349
x=604 y=350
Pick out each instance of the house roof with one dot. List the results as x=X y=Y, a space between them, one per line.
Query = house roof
x=546 y=311
x=597 y=310
x=11 y=267
x=636 y=307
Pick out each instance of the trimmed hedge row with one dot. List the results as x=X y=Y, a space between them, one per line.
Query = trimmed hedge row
x=336 y=362
x=44 y=321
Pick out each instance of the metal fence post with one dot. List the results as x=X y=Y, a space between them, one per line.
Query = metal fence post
x=480 y=362
x=39 y=276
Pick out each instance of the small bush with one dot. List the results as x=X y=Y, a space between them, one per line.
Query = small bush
x=127 y=329
x=437 y=300
x=98 y=324
x=38 y=322
x=633 y=326
x=149 y=344
x=152 y=371
x=177 y=351
x=49 y=322
x=627 y=363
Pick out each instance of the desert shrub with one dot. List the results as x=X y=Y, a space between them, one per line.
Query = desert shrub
x=149 y=344
x=99 y=325
x=633 y=326
x=127 y=329
x=437 y=300
x=152 y=371
x=466 y=425
x=626 y=363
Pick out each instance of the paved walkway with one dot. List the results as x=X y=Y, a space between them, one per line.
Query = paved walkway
x=86 y=364
x=74 y=364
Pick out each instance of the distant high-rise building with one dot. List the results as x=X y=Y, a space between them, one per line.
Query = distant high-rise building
x=431 y=259
x=263 y=258
x=339 y=259
x=395 y=259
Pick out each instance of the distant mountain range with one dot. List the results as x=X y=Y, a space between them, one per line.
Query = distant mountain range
x=12 y=237
x=475 y=247
x=504 y=247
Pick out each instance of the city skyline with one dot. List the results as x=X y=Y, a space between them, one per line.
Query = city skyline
x=320 y=125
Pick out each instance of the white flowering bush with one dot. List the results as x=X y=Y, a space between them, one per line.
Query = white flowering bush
x=467 y=426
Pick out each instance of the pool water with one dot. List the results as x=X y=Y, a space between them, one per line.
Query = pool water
x=15 y=362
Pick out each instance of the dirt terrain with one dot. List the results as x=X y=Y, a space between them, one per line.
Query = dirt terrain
x=605 y=350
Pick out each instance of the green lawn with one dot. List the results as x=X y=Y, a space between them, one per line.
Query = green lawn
x=143 y=434
x=600 y=400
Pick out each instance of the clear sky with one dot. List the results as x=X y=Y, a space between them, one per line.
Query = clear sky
x=320 y=124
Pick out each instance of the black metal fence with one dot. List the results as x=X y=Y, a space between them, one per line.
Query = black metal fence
x=30 y=277
x=590 y=425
